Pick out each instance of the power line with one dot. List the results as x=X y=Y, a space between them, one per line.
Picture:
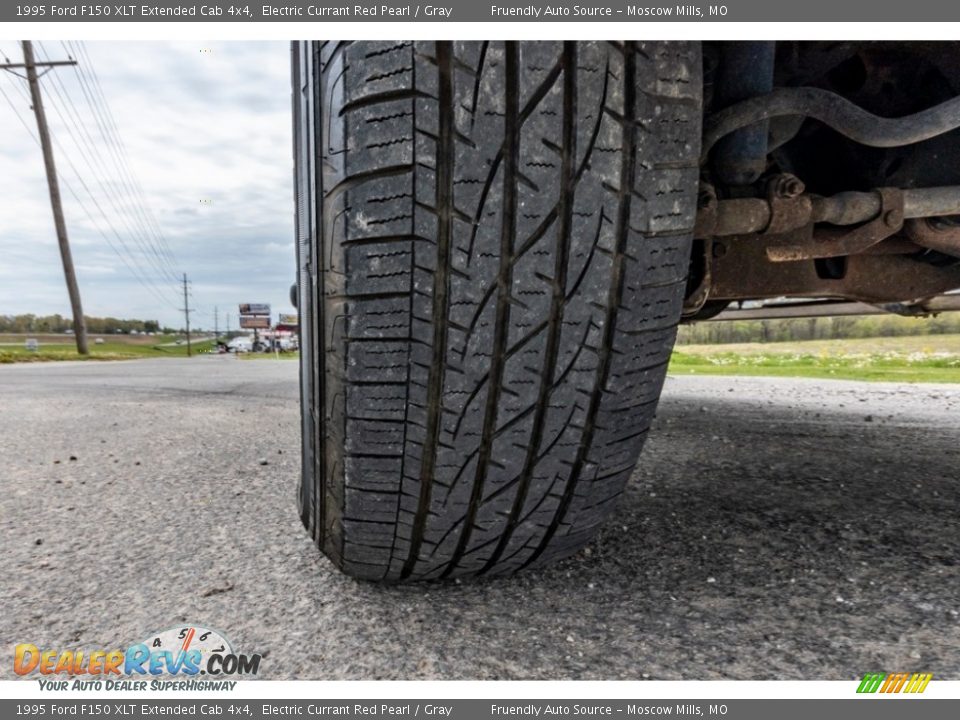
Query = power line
x=144 y=279
x=138 y=215
x=121 y=177
x=106 y=164
x=91 y=158
x=118 y=145
x=141 y=275
x=100 y=111
x=147 y=284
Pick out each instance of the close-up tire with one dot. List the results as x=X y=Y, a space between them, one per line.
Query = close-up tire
x=493 y=244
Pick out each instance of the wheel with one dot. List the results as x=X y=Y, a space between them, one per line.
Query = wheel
x=493 y=242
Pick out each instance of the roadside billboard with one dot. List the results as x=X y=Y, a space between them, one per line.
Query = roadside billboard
x=255 y=309
x=285 y=319
x=254 y=322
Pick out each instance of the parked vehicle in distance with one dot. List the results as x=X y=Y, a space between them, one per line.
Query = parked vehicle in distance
x=240 y=345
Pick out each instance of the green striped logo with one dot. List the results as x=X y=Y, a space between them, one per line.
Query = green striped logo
x=894 y=683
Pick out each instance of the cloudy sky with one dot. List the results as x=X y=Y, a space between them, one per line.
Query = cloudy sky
x=206 y=132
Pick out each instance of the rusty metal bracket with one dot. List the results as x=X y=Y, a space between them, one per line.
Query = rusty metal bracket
x=744 y=272
x=935 y=234
x=789 y=207
x=697 y=297
x=707 y=206
x=829 y=242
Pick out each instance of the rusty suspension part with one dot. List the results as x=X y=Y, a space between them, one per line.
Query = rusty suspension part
x=853 y=246
x=778 y=214
x=939 y=236
x=838 y=308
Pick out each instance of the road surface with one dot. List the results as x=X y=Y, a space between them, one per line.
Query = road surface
x=775 y=529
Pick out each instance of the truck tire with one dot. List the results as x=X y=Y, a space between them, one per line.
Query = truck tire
x=493 y=242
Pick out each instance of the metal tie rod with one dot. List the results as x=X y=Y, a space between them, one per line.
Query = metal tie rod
x=742 y=216
x=836 y=112
x=849 y=208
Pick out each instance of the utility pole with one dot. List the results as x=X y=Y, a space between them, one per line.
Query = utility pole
x=30 y=65
x=186 y=314
x=216 y=322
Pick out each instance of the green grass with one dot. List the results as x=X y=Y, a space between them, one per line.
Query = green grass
x=109 y=350
x=928 y=358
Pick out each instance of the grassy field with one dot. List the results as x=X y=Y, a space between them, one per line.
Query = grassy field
x=114 y=347
x=927 y=358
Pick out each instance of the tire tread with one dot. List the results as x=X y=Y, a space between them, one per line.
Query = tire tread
x=501 y=245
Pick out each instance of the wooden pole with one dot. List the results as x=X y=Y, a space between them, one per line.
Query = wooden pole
x=79 y=323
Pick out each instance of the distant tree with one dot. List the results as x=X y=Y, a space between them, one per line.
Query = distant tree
x=30 y=323
x=795 y=329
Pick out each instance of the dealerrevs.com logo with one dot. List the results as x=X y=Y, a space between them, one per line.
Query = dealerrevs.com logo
x=169 y=660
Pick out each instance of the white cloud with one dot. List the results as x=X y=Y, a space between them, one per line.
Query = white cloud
x=207 y=134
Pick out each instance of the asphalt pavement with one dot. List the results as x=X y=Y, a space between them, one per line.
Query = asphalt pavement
x=774 y=529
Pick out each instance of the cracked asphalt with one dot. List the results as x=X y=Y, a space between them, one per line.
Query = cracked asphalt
x=774 y=529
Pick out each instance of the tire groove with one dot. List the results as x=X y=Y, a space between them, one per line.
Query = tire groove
x=627 y=171
x=383 y=97
x=558 y=301
x=512 y=124
x=335 y=535
x=441 y=298
x=410 y=316
x=317 y=300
